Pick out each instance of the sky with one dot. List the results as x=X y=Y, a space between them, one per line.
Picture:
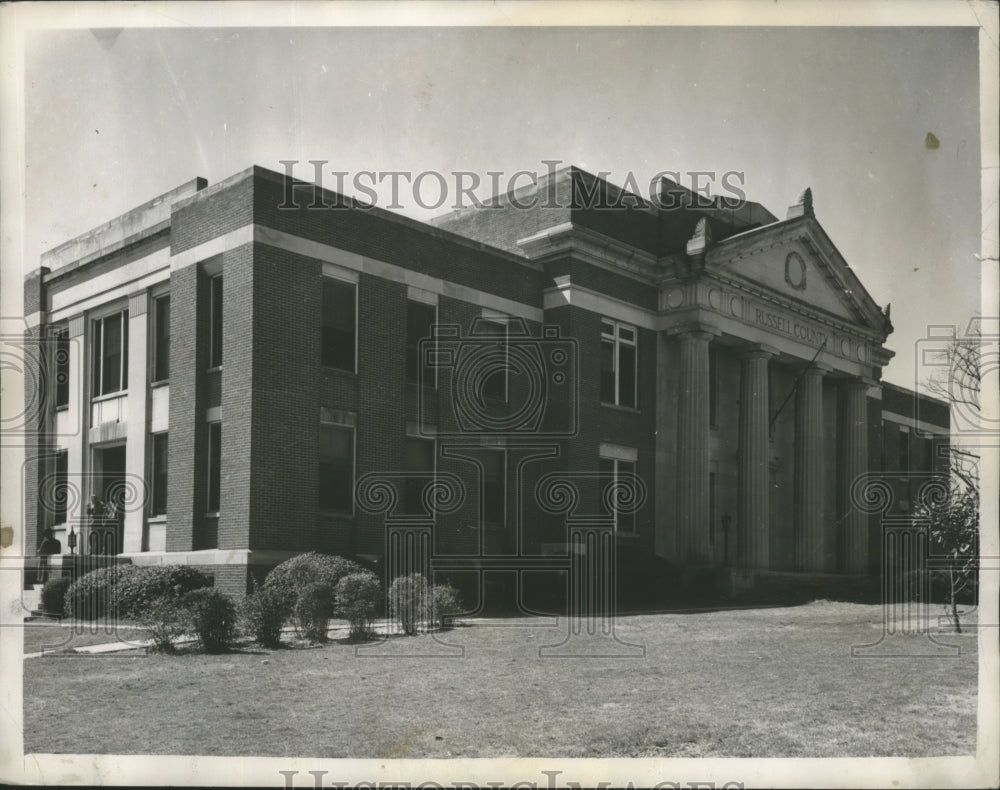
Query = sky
x=114 y=121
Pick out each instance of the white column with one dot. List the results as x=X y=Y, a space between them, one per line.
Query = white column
x=853 y=463
x=693 y=449
x=138 y=418
x=753 y=528
x=810 y=473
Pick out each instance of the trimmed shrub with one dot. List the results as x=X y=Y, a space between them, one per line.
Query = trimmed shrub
x=137 y=586
x=54 y=595
x=261 y=614
x=212 y=617
x=445 y=603
x=164 y=619
x=289 y=578
x=89 y=597
x=359 y=600
x=409 y=601
x=313 y=609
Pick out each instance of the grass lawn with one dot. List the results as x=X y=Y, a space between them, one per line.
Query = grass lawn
x=742 y=683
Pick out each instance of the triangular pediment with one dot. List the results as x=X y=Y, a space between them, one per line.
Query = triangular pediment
x=795 y=260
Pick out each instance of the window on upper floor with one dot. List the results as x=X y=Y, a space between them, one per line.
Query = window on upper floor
x=420 y=318
x=618 y=363
x=496 y=382
x=62 y=367
x=110 y=354
x=161 y=338
x=336 y=469
x=215 y=321
x=339 y=338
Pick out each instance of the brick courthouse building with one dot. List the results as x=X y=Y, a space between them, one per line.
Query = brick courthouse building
x=240 y=368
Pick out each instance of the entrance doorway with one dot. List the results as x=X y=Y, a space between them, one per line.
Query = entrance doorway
x=108 y=487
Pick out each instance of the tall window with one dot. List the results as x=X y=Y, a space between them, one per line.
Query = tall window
x=904 y=452
x=494 y=492
x=110 y=354
x=214 y=466
x=62 y=367
x=419 y=460
x=419 y=323
x=612 y=469
x=161 y=338
x=158 y=475
x=336 y=469
x=618 y=368
x=61 y=493
x=215 y=349
x=496 y=382
x=339 y=324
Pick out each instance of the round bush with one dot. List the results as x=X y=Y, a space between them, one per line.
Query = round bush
x=289 y=578
x=313 y=609
x=164 y=620
x=359 y=600
x=212 y=617
x=445 y=603
x=54 y=595
x=89 y=597
x=137 y=586
x=261 y=615
x=409 y=601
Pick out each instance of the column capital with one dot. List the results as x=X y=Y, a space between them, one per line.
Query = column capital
x=816 y=369
x=758 y=351
x=857 y=383
x=138 y=303
x=698 y=330
x=75 y=325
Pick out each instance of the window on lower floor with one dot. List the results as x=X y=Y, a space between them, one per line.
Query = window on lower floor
x=618 y=363
x=214 y=466
x=336 y=469
x=420 y=472
x=158 y=475
x=494 y=491
x=109 y=351
x=612 y=471
x=339 y=335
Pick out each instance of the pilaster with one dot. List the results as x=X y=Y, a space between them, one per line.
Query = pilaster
x=138 y=417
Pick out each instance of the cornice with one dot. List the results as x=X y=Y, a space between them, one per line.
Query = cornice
x=595 y=248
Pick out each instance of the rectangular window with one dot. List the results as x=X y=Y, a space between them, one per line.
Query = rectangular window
x=495 y=385
x=420 y=319
x=904 y=452
x=161 y=338
x=110 y=354
x=611 y=469
x=618 y=363
x=62 y=367
x=158 y=475
x=339 y=324
x=61 y=483
x=214 y=466
x=420 y=464
x=215 y=349
x=495 y=488
x=336 y=469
